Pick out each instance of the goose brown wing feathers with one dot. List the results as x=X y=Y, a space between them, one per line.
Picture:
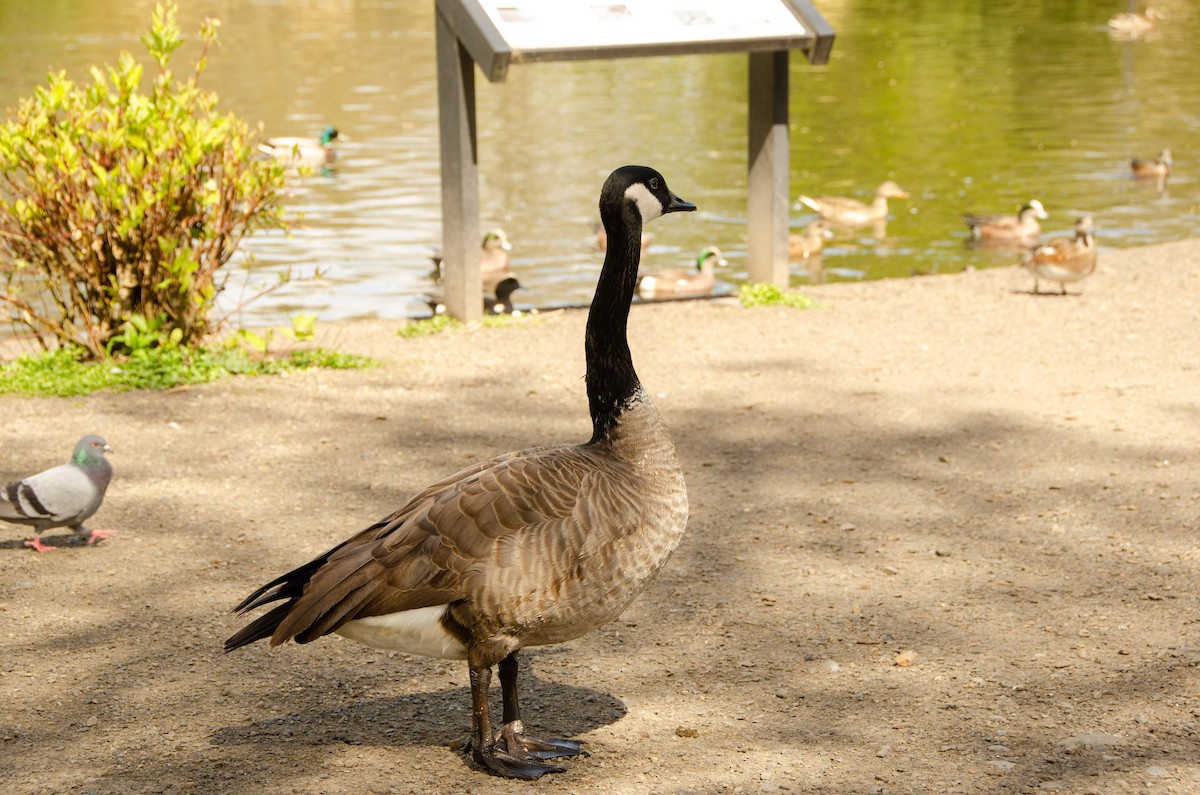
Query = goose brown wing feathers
x=487 y=535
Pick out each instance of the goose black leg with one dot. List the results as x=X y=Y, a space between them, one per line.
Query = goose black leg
x=484 y=747
x=512 y=735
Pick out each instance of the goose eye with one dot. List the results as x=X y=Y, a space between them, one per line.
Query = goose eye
x=654 y=183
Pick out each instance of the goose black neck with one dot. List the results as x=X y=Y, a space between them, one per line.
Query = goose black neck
x=611 y=380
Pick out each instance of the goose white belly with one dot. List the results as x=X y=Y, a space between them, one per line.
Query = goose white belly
x=418 y=631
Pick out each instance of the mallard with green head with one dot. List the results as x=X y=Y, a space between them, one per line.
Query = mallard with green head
x=296 y=152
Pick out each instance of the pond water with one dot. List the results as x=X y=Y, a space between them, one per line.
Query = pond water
x=968 y=106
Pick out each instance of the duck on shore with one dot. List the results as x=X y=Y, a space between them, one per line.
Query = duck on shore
x=1064 y=259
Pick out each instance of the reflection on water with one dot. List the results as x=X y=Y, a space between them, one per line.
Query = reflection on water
x=975 y=109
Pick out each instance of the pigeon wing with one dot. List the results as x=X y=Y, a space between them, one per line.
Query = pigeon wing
x=58 y=497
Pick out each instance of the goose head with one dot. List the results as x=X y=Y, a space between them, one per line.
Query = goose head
x=637 y=192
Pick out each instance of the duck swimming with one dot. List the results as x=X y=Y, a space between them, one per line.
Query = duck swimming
x=852 y=212
x=680 y=282
x=1022 y=227
x=297 y=152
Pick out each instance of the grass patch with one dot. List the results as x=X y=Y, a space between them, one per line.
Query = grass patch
x=439 y=323
x=60 y=373
x=763 y=294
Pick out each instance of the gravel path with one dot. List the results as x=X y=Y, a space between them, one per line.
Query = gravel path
x=943 y=539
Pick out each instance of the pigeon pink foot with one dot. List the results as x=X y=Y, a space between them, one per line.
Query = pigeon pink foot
x=99 y=535
x=36 y=545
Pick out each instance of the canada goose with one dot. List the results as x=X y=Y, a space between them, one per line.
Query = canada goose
x=533 y=547
x=493 y=259
x=678 y=282
x=297 y=152
x=1159 y=167
x=501 y=304
x=1023 y=226
x=1133 y=23
x=1064 y=259
x=810 y=242
x=602 y=239
x=852 y=212
x=65 y=496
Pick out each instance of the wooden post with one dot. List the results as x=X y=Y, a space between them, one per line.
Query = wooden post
x=767 y=199
x=461 y=281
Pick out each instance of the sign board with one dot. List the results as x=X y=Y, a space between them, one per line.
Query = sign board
x=557 y=25
x=492 y=34
x=500 y=32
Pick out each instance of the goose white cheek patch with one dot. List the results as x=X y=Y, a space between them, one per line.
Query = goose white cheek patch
x=647 y=203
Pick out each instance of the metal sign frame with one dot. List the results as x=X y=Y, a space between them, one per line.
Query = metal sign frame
x=468 y=36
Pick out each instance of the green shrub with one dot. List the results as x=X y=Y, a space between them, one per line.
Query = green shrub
x=763 y=294
x=62 y=373
x=117 y=205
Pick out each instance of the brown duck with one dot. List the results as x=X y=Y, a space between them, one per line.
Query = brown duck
x=810 y=242
x=1064 y=259
x=1158 y=168
x=1023 y=226
x=534 y=547
x=851 y=212
x=493 y=259
x=1133 y=23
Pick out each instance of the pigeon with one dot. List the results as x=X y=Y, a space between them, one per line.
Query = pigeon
x=63 y=496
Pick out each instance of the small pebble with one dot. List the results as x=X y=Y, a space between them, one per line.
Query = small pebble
x=905 y=658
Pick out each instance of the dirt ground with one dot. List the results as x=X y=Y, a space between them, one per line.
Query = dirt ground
x=943 y=539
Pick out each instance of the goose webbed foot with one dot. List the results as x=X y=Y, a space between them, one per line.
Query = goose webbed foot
x=512 y=738
x=509 y=766
x=520 y=764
